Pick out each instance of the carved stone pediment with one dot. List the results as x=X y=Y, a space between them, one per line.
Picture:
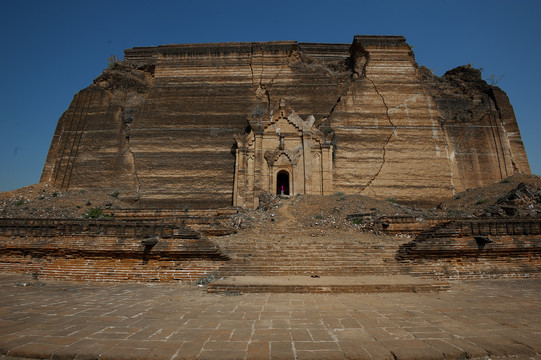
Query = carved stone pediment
x=291 y=154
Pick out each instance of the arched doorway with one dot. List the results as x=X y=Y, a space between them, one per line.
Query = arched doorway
x=282 y=183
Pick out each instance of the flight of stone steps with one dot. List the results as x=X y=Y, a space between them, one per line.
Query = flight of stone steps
x=289 y=259
x=323 y=256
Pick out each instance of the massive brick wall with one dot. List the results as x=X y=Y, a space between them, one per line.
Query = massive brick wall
x=159 y=126
x=475 y=248
x=106 y=250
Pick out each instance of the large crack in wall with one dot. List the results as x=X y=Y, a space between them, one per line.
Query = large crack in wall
x=506 y=135
x=251 y=62
x=132 y=106
x=260 y=89
x=130 y=157
x=388 y=139
x=340 y=73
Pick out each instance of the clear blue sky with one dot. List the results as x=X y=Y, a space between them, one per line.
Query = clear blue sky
x=52 y=49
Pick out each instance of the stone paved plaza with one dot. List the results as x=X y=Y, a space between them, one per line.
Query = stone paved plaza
x=169 y=321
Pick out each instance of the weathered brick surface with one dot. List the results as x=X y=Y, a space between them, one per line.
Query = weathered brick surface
x=106 y=250
x=459 y=249
x=160 y=127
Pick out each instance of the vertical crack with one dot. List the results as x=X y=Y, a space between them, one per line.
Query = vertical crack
x=500 y=116
x=269 y=85
x=342 y=94
x=260 y=89
x=128 y=113
x=262 y=63
x=251 y=62
x=269 y=109
x=350 y=80
x=132 y=156
x=388 y=140
x=289 y=56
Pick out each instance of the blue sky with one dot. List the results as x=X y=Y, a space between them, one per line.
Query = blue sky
x=52 y=49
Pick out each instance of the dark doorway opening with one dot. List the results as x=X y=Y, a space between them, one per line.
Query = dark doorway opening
x=282 y=183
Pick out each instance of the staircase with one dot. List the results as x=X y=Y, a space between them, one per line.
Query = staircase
x=287 y=258
x=302 y=255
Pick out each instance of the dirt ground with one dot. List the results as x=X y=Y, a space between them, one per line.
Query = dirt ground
x=46 y=201
x=518 y=195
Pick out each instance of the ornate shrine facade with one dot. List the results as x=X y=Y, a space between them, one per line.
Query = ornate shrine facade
x=282 y=154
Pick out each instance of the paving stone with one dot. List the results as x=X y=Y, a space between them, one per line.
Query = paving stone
x=191 y=335
x=301 y=335
x=221 y=354
x=394 y=333
x=473 y=350
x=353 y=350
x=358 y=334
x=188 y=350
x=221 y=335
x=320 y=355
x=377 y=351
x=85 y=348
x=412 y=349
x=9 y=342
x=350 y=323
x=271 y=335
x=316 y=345
x=530 y=340
x=498 y=345
x=165 y=350
x=241 y=335
x=125 y=353
x=446 y=348
x=226 y=345
x=35 y=350
x=281 y=350
x=320 y=335
x=281 y=324
x=258 y=350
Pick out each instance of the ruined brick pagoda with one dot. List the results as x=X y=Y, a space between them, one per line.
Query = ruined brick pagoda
x=187 y=136
x=215 y=125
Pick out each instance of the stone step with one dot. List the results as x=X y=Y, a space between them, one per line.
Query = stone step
x=319 y=252
x=321 y=267
x=325 y=284
x=309 y=257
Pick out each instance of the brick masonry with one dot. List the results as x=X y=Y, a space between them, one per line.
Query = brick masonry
x=106 y=250
x=113 y=249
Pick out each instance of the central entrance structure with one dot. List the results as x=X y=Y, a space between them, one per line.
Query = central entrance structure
x=283 y=154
